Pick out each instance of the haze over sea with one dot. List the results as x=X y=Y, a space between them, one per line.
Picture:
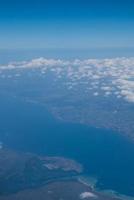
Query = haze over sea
x=8 y=55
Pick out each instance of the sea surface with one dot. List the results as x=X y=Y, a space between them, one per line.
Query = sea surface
x=105 y=154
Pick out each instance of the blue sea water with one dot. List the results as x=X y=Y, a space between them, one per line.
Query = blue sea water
x=105 y=154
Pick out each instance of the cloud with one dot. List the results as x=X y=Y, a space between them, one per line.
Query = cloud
x=95 y=93
x=110 y=76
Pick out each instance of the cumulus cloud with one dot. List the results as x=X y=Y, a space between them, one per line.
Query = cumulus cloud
x=111 y=76
x=95 y=93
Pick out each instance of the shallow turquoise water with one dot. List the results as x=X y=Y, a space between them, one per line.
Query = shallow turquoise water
x=103 y=153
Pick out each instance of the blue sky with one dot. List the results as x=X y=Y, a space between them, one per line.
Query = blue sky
x=66 y=24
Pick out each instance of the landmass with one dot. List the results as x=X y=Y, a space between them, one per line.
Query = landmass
x=30 y=176
x=63 y=190
x=19 y=171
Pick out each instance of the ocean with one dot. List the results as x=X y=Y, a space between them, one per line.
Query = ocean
x=107 y=155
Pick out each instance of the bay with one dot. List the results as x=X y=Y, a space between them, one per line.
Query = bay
x=105 y=154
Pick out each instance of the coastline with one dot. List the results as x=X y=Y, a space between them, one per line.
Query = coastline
x=91 y=182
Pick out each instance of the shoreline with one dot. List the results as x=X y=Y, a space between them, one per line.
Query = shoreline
x=91 y=182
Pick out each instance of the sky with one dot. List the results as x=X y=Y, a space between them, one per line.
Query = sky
x=71 y=24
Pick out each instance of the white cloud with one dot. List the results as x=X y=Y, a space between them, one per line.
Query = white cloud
x=113 y=76
x=106 y=88
x=95 y=93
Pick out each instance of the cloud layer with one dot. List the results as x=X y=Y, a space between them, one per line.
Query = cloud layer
x=100 y=76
